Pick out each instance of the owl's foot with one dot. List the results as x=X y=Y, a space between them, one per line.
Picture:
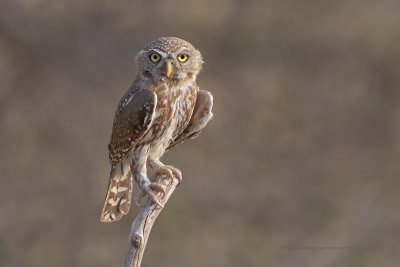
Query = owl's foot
x=169 y=172
x=149 y=189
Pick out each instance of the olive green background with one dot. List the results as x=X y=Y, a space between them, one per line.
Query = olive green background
x=299 y=167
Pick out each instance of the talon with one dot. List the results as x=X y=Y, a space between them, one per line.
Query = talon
x=166 y=173
x=148 y=190
x=169 y=172
x=157 y=187
x=154 y=199
x=176 y=174
x=158 y=204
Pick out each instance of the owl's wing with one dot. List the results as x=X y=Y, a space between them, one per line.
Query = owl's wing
x=200 y=117
x=132 y=120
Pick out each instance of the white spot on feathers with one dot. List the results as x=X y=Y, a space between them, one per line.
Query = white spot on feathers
x=122 y=189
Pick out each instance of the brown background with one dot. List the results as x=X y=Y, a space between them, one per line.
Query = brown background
x=299 y=167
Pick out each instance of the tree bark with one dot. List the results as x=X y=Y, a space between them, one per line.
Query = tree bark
x=141 y=226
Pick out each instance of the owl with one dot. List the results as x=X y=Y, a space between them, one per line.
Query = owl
x=163 y=108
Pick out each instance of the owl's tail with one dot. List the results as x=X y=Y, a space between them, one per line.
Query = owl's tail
x=118 y=199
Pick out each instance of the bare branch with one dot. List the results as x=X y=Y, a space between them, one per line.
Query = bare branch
x=141 y=226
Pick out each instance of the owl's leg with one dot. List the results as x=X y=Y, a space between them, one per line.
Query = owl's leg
x=158 y=169
x=139 y=169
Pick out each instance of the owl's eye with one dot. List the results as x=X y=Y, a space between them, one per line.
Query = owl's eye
x=155 y=57
x=183 y=57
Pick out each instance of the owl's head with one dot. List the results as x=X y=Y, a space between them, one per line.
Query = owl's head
x=169 y=58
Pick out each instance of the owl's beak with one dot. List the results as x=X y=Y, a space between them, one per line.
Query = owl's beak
x=169 y=68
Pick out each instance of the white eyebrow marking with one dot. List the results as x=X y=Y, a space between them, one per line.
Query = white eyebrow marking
x=179 y=51
x=160 y=52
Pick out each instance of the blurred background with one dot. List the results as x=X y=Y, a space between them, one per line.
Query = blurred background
x=299 y=167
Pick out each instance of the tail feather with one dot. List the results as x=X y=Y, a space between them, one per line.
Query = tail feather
x=118 y=199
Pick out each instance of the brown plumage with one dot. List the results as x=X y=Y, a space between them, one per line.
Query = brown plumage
x=163 y=108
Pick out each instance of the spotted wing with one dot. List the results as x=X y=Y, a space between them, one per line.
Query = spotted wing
x=132 y=120
x=200 y=117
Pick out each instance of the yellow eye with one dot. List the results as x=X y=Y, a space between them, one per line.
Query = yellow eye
x=183 y=57
x=155 y=57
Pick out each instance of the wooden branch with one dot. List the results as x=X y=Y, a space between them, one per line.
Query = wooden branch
x=141 y=226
